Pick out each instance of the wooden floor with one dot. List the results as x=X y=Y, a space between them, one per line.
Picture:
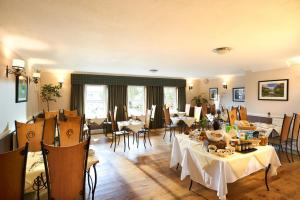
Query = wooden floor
x=145 y=174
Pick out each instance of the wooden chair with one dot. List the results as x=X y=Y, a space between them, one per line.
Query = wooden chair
x=295 y=134
x=51 y=114
x=31 y=133
x=283 y=138
x=213 y=109
x=12 y=173
x=197 y=116
x=70 y=113
x=116 y=133
x=243 y=113
x=65 y=169
x=126 y=117
x=203 y=111
x=107 y=124
x=168 y=123
x=49 y=130
x=232 y=117
x=187 y=109
x=146 y=130
x=70 y=131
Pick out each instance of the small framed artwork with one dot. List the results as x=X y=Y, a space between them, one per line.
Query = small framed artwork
x=273 y=90
x=238 y=94
x=213 y=94
x=21 y=89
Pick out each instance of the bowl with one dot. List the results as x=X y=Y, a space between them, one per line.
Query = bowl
x=215 y=136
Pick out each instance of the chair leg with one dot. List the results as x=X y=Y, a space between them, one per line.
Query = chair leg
x=133 y=137
x=95 y=182
x=128 y=141
x=119 y=140
x=149 y=138
x=170 y=134
x=165 y=133
x=145 y=140
x=115 y=142
x=112 y=141
x=124 y=142
x=137 y=139
x=292 y=150
x=286 y=152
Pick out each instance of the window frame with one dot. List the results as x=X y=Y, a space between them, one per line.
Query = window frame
x=172 y=110
x=144 y=102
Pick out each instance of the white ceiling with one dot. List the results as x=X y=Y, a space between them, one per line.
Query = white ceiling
x=132 y=36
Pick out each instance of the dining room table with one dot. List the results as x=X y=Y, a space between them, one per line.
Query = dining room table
x=189 y=121
x=215 y=172
x=133 y=125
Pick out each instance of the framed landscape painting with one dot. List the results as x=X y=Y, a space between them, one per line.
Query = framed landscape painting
x=238 y=94
x=273 y=90
x=21 y=89
x=213 y=94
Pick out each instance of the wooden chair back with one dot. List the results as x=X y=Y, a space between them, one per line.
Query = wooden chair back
x=203 y=110
x=153 y=110
x=232 y=117
x=51 y=114
x=213 y=109
x=167 y=116
x=12 y=173
x=148 y=119
x=31 y=133
x=187 y=109
x=70 y=131
x=286 y=125
x=115 y=113
x=49 y=130
x=296 y=126
x=113 y=122
x=126 y=117
x=65 y=169
x=197 y=113
x=70 y=113
x=243 y=113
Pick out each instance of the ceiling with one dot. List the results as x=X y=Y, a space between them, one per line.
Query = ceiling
x=132 y=36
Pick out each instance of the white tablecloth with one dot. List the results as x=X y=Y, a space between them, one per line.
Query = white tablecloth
x=215 y=172
x=134 y=125
x=266 y=129
x=187 y=120
x=35 y=166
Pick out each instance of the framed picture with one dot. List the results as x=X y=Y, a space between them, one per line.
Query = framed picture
x=213 y=94
x=238 y=94
x=21 y=89
x=273 y=90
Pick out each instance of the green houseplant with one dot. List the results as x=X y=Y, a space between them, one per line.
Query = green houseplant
x=199 y=100
x=49 y=93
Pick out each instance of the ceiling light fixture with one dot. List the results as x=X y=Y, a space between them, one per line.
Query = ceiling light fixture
x=222 y=50
x=153 y=70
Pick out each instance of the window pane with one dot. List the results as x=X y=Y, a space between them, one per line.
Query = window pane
x=136 y=100
x=95 y=101
x=170 y=98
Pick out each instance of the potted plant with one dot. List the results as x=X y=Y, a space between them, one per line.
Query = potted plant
x=199 y=100
x=49 y=93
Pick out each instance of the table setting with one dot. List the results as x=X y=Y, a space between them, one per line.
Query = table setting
x=214 y=158
x=134 y=125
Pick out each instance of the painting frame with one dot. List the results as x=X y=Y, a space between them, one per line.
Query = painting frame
x=273 y=83
x=213 y=94
x=238 y=89
x=21 y=89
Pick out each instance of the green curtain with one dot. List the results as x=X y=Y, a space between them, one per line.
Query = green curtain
x=181 y=98
x=77 y=98
x=117 y=96
x=155 y=96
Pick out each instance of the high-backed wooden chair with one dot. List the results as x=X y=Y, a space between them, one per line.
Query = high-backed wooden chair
x=243 y=113
x=283 y=138
x=232 y=117
x=65 y=169
x=31 y=133
x=50 y=114
x=168 y=123
x=213 y=109
x=116 y=133
x=203 y=110
x=294 y=138
x=145 y=130
x=70 y=131
x=12 y=173
x=126 y=117
x=70 y=113
x=197 y=116
x=187 y=109
x=49 y=130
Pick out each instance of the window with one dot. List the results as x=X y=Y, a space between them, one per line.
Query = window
x=96 y=98
x=136 y=100
x=170 y=98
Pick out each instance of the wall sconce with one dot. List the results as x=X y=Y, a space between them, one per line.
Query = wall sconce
x=191 y=86
x=17 y=68
x=36 y=76
x=61 y=81
x=224 y=84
